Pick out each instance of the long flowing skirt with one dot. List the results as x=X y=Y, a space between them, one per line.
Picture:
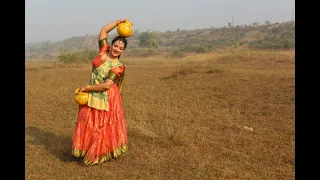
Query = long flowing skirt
x=101 y=135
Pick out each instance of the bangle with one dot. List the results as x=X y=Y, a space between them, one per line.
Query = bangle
x=88 y=88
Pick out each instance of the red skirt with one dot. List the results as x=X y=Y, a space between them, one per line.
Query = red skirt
x=101 y=135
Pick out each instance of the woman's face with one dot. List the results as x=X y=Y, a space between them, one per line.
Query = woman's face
x=117 y=48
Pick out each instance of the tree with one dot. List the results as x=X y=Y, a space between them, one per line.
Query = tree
x=149 y=40
x=267 y=22
x=255 y=23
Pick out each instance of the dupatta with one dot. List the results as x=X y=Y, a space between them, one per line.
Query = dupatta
x=99 y=100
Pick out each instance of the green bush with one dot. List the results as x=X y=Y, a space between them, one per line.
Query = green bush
x=76 y=56
x=284 y=42
x=178 y=53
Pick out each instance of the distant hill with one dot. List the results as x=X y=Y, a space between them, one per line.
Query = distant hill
x=207 y=38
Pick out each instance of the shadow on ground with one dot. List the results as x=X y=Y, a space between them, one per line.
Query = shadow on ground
x=59 y=146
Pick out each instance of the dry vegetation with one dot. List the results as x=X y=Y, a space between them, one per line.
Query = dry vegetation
x=225 y=115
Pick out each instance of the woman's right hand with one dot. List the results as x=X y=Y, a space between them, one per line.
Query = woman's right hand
x=121 y=21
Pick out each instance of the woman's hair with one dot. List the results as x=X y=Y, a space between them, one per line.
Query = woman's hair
x=122 y=39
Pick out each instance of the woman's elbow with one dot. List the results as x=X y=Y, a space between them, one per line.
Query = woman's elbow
x=107 y=86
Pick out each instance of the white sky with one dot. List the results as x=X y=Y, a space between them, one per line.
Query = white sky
x=48 y=20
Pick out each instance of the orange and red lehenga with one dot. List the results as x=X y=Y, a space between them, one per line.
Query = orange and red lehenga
x=100 y=133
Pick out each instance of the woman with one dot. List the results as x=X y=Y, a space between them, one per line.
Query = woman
x=100 y=133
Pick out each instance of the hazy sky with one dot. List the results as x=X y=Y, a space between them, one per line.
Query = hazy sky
x=56 y=20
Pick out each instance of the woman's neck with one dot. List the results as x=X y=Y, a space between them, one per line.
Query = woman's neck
x=111 y=57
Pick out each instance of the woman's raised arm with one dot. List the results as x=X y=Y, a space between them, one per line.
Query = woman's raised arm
x=107 y=28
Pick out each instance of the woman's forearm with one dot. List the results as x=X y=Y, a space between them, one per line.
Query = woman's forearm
x=107 y=28
x=99 y=87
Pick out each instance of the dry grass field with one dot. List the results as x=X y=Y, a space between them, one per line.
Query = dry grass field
x=224 y=115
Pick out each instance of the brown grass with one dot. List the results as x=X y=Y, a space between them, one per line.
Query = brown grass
x=227 y=115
